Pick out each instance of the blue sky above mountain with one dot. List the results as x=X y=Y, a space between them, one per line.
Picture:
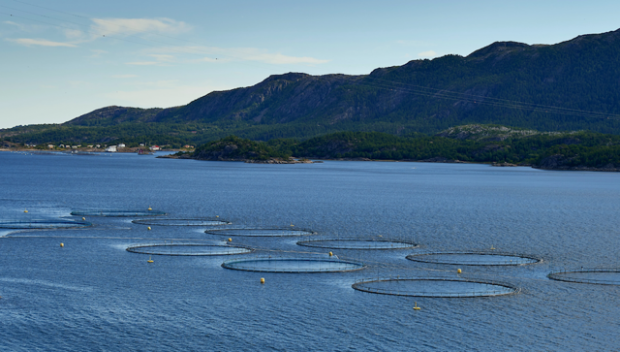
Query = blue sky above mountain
x=63 y=58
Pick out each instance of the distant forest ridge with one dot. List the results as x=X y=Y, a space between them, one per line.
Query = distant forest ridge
x=487 y=144
x=568 y=86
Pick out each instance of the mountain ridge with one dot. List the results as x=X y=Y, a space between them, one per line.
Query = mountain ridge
x=566 y=86
x=572 y=85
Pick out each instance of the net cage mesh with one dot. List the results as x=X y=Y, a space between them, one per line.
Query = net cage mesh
x=182 y=222
x=435 y=287
x=293 y=265
x=189 y=249
x=358 y=244
x=117 y=213
x=261 y=232
x=478 y=258
x=598 y=276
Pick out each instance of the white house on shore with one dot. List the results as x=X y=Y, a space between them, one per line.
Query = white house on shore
x=111 y=149
x=121 y=145
x=154 y=148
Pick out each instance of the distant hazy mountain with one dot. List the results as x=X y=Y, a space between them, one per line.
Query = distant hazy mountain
x=567 y=86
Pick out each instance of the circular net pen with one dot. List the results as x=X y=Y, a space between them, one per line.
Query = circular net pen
x=117 y=213
x=588 y=276
x=182 y=222
x=435 y=287
x=478 y=258
x=189 y=249
x=293 y=265
x=43 y=224
x=358 y=244
x=261 y=232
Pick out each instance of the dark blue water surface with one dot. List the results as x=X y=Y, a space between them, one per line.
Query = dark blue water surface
x=93 y=295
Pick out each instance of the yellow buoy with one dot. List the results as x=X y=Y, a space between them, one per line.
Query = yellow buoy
x=25 y=210
x=262 y=280
x=492 y=248
x=150 y=209
x=217 y=216
x=62 y=245
x=149 y=228
x=292 y=225
x=459 y=271
x=415 y=306
x=83 y=218
x=229 y=239
x=331 y=254
x=150 y=260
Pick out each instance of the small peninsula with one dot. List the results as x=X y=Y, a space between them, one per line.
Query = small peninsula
x=496 y=145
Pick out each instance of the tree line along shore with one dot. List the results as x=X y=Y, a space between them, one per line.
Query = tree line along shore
x=496 y=145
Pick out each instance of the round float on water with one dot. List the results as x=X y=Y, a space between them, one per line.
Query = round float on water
x=474 y=258
x=293 y=265
x=358 y=244
x=588 y=276
x=43 y=224
x=261 y=232
x=189 y=249
x=117 y=213
x=435 y=287
x=182 y=222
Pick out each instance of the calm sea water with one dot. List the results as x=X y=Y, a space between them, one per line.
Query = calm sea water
x=94 y=295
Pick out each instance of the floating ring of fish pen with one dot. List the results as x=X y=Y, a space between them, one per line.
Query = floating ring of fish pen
x=293 y=265
x=117 y=213
x=182 y=222
x=43 y=224
x=479 y=258
x=435 y=287
x=261 y=232
x=358 y=244
x=189 y=249
x=588 y=276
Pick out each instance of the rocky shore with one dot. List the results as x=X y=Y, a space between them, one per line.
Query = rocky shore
x=249 y=161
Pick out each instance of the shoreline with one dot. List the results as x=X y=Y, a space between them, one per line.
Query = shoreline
x=437 y=160
x=82 y=150
x=432 y=160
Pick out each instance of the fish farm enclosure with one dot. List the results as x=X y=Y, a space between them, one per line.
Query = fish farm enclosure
x=382 y=256
x=589 y=276
x=258 y=232
x=190 y=249
x=292 y=265
x=43 y=224
x=181 y=222
x=357 y=244
x=116 y=213
x=474 y=258
x=435 y=287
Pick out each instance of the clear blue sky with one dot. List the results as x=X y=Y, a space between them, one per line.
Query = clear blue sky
x=63 y=58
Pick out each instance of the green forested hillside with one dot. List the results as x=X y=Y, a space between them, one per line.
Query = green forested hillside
x=547 y=150
x=568 y=86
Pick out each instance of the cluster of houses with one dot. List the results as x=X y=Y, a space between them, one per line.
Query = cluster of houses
x=63 y=146
x=110 y=149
